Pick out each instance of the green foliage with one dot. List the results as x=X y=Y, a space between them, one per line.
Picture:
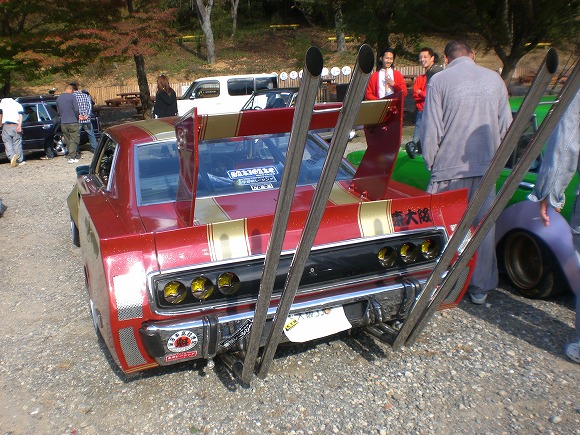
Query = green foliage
x=299 y=47
x=512 y=28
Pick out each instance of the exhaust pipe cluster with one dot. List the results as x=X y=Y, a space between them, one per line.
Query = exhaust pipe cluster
x=298 y=135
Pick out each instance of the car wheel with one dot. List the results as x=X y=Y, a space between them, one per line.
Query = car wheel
x=75 y=233
x=59 y=146
x=530 y=266
x=95 y=317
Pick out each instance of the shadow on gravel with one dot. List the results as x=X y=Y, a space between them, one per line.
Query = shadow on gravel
x=533 y=321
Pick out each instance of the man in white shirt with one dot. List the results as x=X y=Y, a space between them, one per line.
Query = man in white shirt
x=386 y=80
x=11 y=118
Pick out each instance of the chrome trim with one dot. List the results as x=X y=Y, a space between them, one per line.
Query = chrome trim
x=297 y=307
x=526 y=185
x=396 y=274
x=259 y=258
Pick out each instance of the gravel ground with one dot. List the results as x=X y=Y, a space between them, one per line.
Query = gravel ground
x=496 y=368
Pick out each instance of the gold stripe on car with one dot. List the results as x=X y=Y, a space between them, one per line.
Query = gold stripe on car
x=158 y=130
x=374 y=218
x=208 y=211
x=369 y=113
x=228 y=240
x=342 y=196
x=220 y=126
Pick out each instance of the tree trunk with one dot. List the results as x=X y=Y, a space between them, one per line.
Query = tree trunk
x=510 y=62
x=204 y=16
x=5 y=89
x=339 y=26
x=234 y=12
x=143 y=85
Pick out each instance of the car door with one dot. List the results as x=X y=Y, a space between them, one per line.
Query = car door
x=36 y=128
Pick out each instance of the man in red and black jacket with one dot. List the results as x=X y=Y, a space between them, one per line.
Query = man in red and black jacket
x=427 y=59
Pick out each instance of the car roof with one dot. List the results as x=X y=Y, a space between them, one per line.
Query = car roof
x=36 y=98
x=275 y=90
x=150 y=130
x=238 y=76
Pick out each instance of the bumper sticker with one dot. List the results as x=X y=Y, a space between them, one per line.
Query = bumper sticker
x=240 y=333
x=180 y=356
x=182 y=341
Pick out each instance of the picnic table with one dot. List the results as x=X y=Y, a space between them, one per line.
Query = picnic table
x=274 y=27
x=125 y=99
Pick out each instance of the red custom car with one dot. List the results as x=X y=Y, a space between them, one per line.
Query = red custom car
x=174 y=229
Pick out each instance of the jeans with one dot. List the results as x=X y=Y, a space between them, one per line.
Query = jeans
x=485 y=273
x=417 y=132
x=12 y=141
x=88 y=127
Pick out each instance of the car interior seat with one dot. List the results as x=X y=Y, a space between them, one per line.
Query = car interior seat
x=278 y=102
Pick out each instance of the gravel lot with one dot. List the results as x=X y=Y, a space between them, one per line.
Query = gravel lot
x=497 y=368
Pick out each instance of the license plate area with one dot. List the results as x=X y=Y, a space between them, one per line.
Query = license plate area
x=303 y=327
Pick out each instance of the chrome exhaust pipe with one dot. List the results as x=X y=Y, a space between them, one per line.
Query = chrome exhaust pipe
x=300 y=125
x=346 y=118
x=434 y=291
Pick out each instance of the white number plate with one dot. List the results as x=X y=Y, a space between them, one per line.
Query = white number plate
x=317 y=324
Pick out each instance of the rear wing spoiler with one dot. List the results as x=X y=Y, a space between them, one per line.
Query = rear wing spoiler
x=382 y=121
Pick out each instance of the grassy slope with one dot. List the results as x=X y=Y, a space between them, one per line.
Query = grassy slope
x=256 y=49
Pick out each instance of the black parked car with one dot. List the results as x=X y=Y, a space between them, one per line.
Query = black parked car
x=41 y=125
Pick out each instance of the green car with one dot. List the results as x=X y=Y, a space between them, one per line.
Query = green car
x=536 y=259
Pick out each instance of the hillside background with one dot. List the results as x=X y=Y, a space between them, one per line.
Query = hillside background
x=254 y=50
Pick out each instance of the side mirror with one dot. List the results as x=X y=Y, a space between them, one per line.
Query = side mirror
x=82 y=170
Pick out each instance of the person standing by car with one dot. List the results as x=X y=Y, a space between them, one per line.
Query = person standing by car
x=427 y=59
x=466 y=115
x=386 y=80
x=11 y=112
x=68 y=108
x=561 y=160
x=85 y=103
x=165 y=99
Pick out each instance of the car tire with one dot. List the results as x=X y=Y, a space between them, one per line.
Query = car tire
x=530 y=265
x=58 y=145
x=95 y=317
x=75 y=233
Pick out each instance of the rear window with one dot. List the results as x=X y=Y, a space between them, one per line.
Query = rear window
x=227 y=166
x=266 y=83
x=241 y=86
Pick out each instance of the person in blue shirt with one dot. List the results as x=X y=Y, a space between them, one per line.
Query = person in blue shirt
x=561 y=161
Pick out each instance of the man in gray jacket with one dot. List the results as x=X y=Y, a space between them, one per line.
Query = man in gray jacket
x=466 y=115
x=68 y=109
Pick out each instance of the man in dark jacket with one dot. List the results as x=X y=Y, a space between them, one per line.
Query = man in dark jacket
x=68 y=109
